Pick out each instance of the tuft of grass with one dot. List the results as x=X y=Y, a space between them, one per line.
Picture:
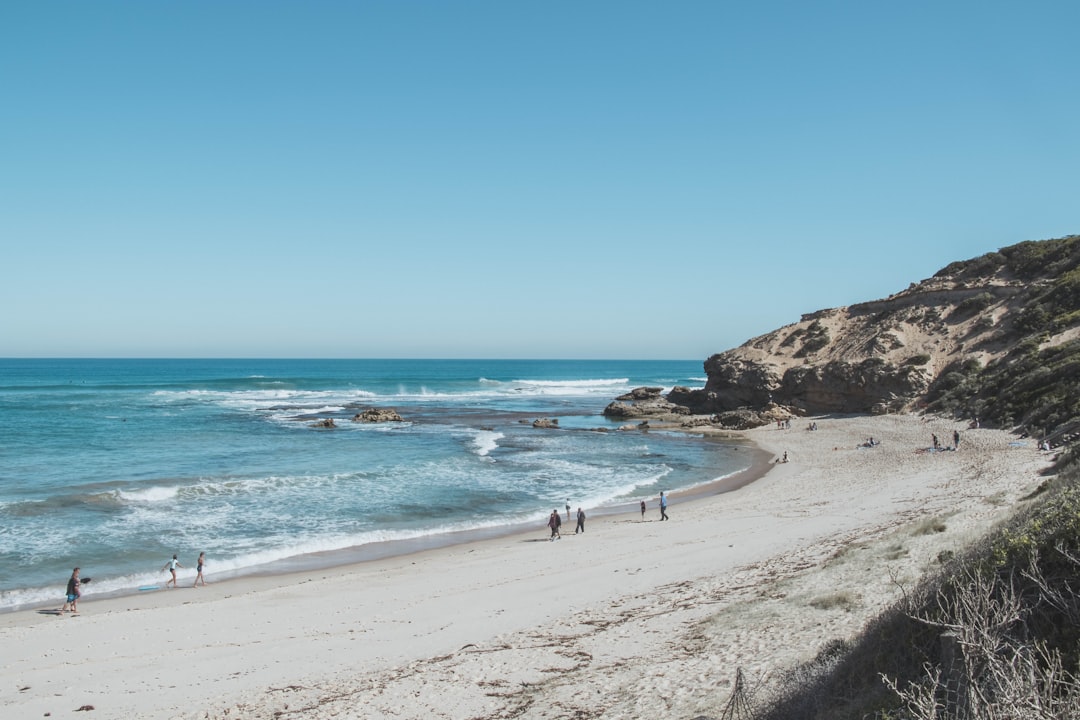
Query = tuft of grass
x=840 y=600
x=895 y=552
x=929 y=526
x=1012 y=599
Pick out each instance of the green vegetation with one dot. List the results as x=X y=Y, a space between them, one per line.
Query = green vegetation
x=1043 y=258
x=976 y=303
x=1033 y=388
x=983 y=266
x=792 y=337
x=1037 y=390
x=815 y=338
x=995 y=632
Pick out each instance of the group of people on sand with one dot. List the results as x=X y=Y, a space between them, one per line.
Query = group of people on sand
x=75 y=583
x=937 y=443
x=555 y=520
x=171 y=566
x=663 y=508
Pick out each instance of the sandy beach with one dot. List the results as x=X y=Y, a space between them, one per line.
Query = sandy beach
x=631 y=619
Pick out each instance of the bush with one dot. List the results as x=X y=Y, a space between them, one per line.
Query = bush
x=976 y=303
x=1013 y=604
x=816 y=338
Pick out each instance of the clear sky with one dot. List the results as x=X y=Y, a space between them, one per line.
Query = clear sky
x=510 y=179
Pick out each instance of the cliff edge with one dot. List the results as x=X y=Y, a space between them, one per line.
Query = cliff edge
x=956 y=343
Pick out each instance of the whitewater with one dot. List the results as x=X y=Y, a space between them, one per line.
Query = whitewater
x=115 y=465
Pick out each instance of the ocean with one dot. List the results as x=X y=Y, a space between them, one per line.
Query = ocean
x=115 y=465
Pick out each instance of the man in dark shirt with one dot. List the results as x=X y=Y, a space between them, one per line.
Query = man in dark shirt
x=73 y=592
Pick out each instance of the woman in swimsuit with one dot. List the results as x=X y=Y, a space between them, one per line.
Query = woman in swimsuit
x=199 y=576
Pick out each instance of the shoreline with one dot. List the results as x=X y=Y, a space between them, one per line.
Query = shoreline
x=343 y=558
x=641 y=618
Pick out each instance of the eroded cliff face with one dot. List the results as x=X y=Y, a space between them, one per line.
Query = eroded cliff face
x=885 y=355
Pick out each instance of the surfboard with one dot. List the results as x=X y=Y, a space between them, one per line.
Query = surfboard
x=150 y=587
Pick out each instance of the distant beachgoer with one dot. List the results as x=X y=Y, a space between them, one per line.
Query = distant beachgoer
x=663 y=507
x=936 y=443
x=785 y=457
x=567 y=509
x=956 y=438
x=171 y=567
x=553 y=522
x=73 y=592
x=580 y=521
x=643 y=510
x=199 y=569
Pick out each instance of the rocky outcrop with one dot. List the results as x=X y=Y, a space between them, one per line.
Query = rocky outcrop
x=872 y=385
x=325 y=423
x=743 y=419
x=642 y=394
x=889 y=354
x=378 y=415
x=650 y=406
x=549 y=423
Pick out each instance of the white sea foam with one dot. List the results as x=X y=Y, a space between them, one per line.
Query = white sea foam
x=568 y=387
x=485 y=441
x=261 y=398
x=271 y=552
x=148 y=495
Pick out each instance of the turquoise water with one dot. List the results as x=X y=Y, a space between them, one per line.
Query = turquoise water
x=114 y=465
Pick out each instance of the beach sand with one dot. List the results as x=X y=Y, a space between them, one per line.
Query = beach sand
x=631 y=619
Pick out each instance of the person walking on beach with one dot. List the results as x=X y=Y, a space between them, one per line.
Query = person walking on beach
x=955 y=439
x=554 y=521
x=171 y=566
x=73 y=592
x=580 y=521
x=663 y=506
x=567 y=509
x=642 y=511
x=198 y=568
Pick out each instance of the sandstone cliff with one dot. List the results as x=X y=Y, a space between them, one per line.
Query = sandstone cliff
x=945 y=340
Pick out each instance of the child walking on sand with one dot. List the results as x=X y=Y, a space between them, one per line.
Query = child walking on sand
x=171 y=566
x=198 y=570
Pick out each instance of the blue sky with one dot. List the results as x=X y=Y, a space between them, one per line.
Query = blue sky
x=510 y=179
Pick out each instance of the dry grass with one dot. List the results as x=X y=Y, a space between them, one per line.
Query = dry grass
x=929 y=526
x=994 y=635
x=842 y=600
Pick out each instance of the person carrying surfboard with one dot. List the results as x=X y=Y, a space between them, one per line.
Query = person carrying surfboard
x=73 y=592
